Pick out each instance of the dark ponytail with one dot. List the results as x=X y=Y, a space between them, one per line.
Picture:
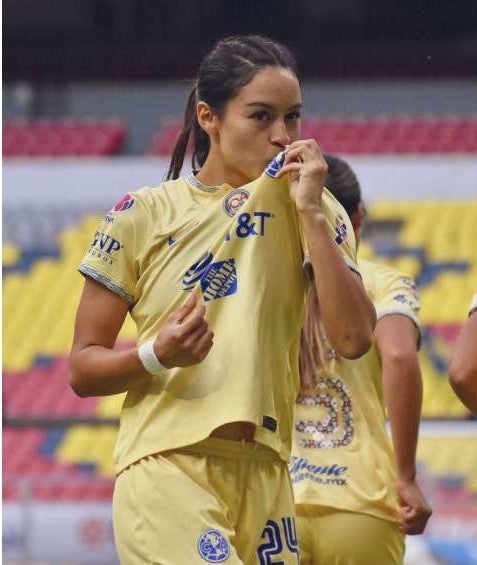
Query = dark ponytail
x=231 y=64
x=180 y=148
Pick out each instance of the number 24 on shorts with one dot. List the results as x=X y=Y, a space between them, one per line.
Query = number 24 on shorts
x=273 y=546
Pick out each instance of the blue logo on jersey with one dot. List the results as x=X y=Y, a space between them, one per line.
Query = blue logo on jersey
x=220 y=280
x=275 y=165
x=213 y=547
x=106 y=243
x=250 y=224
x=340 y=230
x=217 y=279
x=197 y=271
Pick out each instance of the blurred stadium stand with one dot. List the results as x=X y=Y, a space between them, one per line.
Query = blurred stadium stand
x=402 y=134
x=62 y=138
x=58 y=448
x=80 y=83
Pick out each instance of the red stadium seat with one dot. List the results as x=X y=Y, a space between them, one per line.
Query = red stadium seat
x=62 y=138
x=400 y=134
x=44 y=392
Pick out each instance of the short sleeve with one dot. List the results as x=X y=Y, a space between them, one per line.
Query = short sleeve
x=112 y=257
x=340 y=229
x=395 y=293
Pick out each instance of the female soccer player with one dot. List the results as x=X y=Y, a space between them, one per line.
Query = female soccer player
x=355 y=497
x=210 y=267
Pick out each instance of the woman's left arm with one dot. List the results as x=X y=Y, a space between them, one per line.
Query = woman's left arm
x=347 y=312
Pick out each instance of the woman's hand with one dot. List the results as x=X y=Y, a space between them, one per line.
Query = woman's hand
x=415 y=511
x=308 y=168
x=185 y=339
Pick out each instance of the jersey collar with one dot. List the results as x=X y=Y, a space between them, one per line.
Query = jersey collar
x=194 y=181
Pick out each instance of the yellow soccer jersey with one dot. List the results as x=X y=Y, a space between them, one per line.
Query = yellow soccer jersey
x=342 y=456
x=241 y=248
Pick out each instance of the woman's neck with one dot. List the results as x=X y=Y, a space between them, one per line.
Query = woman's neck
x=214 y=172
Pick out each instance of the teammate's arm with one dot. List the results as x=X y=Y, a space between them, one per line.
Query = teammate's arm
x=463 y=364
x=346 y=310
x=396 y=340
x=96 y=369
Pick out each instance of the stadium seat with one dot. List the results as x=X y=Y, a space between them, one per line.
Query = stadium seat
x=402 y=134
x=458 y=459
x=10 y=254
x=61 y=138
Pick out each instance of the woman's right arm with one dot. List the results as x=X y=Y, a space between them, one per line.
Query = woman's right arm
x=96 y=369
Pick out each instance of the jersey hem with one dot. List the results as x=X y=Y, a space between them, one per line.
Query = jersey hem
x=338 y=508
x=124 y=463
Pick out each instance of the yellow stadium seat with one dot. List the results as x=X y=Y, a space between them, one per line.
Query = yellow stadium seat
x=450 y=455
x=89 y=444
x=11 y=254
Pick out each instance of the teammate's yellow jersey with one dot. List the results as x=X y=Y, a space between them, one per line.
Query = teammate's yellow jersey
x=241 y=248
x=342 y=456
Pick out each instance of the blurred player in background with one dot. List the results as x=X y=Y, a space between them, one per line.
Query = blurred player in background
x=355 y=497
x=463 y=365
x=210 y=267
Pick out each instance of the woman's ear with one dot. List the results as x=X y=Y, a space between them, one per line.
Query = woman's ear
x=207 y=118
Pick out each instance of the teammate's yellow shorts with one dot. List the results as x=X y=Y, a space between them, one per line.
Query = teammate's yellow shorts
x=333 y=537
x=218 y=501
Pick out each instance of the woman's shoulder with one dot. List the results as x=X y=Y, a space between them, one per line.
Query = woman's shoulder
x=164 y=191
x=146 y=196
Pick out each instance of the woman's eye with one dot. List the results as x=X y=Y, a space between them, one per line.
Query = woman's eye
x=260 y=116
x=293 y=116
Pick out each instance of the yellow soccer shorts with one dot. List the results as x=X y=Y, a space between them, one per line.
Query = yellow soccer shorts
x=218 y=501
x=334 y=537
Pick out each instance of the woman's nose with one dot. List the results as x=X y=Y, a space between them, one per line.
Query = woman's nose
x=280 y=135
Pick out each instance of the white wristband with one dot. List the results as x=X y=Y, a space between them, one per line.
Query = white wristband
x=149 y=359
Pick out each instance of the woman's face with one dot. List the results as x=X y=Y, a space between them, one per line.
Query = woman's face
x=259 y=122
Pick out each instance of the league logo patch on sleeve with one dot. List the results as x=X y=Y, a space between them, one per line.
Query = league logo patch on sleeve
x=340 y=230
x=126 y=203
x=213 y=547
x=275 y=165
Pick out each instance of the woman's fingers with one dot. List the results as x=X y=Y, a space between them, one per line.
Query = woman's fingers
x=193 y=322
x=204 y=344
x=194 y=336
x=290 y=168
x=183 y=311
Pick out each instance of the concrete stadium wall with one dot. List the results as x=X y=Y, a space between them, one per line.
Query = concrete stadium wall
x=95 y=184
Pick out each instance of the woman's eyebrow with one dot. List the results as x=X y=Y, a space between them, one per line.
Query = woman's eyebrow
x=270 y=107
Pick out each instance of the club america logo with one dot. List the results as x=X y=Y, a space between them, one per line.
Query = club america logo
x=234 y=200
x=213 y=547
